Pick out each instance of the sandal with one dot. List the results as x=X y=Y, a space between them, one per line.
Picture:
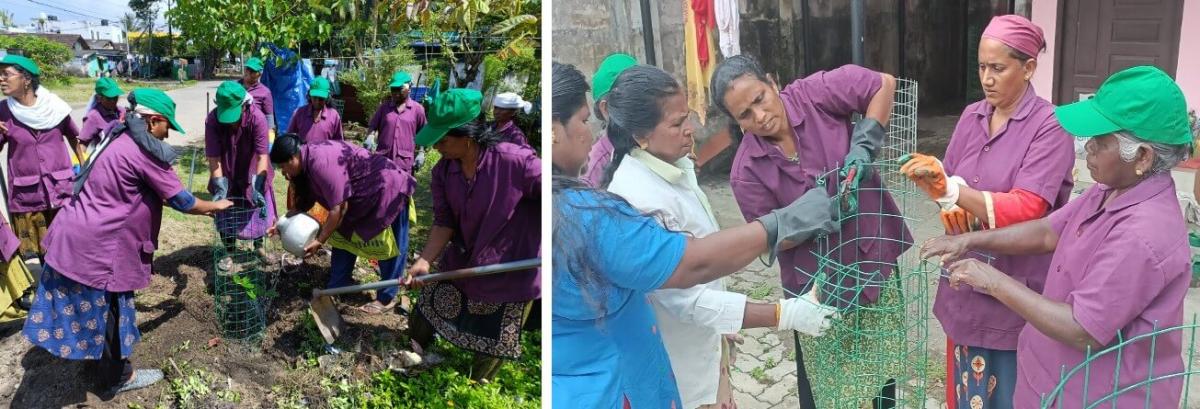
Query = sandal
x=376 y=308
x=141 y=378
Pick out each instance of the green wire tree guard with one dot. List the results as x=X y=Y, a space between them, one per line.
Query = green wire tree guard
x=884 y=342
x=244 y=276
x=1104 y=389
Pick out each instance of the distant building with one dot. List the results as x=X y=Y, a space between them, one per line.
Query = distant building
x=88 y=29
x=92 y=30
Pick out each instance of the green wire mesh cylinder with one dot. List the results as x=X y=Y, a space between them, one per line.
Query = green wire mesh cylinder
x=878 y=342
x=1088 y=386
x=244 y=275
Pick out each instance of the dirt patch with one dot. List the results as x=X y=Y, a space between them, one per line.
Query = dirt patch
x=180 y=336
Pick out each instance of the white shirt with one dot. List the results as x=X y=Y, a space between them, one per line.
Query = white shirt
x=692 y=320
x=726 y=12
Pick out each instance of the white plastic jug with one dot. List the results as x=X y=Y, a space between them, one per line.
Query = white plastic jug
x=296 y=231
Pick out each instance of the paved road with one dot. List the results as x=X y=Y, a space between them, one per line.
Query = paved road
x=190 y=110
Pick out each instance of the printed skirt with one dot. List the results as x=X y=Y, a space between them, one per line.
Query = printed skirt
x=69 y=319
x=490 y=328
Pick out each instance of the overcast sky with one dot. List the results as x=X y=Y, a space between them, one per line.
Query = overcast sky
x=24 y=10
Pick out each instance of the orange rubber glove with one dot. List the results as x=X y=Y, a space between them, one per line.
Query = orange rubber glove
x=927 y=172
x=958 y=221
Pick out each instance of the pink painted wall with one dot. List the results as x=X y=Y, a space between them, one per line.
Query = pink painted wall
x=1045 y=15
x=1187 y=72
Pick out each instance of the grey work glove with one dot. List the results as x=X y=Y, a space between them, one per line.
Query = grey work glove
x=806 y=218
x=864 y=144
x=219 y=188
x=260 y=194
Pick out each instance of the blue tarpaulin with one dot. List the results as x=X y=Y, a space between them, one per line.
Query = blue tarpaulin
x=288 y=83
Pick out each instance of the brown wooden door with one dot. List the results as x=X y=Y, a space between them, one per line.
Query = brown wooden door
x=1100 y=37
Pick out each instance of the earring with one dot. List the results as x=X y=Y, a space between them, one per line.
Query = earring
x=1138 y=172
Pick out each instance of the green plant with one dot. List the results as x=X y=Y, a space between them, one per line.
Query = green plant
x=188 y=387
x=373 y=73
x=252 y=290
x=49 y=55
x=760 y=292
x=759 y=374
x=516 y=385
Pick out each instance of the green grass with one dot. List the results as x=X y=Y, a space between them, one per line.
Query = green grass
x=79 y=90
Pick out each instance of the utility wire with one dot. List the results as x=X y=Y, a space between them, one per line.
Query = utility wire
x=71 y=11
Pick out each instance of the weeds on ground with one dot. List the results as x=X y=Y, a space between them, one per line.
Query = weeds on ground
x=516 y=385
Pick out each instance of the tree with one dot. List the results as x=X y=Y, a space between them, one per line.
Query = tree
x=470 y=29
x=244 y=27
x=6 y=18
x=129 y=23
x=146 y=12
x=50 y=55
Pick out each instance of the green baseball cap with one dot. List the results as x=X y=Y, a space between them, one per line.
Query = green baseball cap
x=21 y=61
x=607 y=73
x=230 y=95
x=319 y=88
x=108 y=88
x=158 y=101
x=451 y=109
x=399 y=79
x=254 y=64
x=1142 y=100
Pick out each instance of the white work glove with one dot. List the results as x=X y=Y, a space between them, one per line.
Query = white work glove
x=948 y=202
x=369 y=143
x=806 y=314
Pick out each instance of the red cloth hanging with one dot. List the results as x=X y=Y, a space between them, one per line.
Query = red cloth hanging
x=706 y=19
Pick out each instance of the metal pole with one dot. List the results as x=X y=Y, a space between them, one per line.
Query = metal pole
x=648 y=32
x=856 y=31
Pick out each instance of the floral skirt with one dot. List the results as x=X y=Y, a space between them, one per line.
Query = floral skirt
x=69 y=319
x=983 y=378
x=490 y=328
x=31 y=229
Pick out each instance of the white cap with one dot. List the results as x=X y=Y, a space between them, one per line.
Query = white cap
x=512 y=101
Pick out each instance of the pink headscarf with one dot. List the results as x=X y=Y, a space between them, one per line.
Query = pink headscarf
x=1017 y=32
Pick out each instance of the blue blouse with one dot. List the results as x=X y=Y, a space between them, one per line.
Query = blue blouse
x=603 y=353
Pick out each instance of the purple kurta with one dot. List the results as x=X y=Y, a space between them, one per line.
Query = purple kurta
x=98 y=120
x=397 y=130
x=511 y=133
x=495 y=218
x=763 y=179
x=39 y=163
x=598 y=159
x=238 y=148
x=327 y=127
x=339 y=172
x=106 y=237
x=1030 y=152
x=262 y=99
x=1124 y=268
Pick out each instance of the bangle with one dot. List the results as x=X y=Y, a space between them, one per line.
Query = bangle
x=778 y=313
